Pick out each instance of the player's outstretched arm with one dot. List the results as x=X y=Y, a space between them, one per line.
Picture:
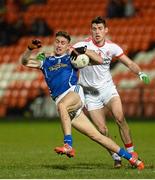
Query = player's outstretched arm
x=26 y=57
x=135 y=68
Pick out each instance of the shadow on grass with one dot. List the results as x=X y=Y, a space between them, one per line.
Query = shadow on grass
x=77 y=166
x=90 y=166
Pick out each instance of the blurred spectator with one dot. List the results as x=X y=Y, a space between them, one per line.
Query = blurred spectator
x=2 y=7
x=3 y=32
x=11 y=32
x=2 y=4
x=129 y=9
x=24 y=4
x=40 y=28
x=20 y=27
x=116 y=8
x=8 y=35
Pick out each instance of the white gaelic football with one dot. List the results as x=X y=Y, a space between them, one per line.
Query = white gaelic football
x=81 y=61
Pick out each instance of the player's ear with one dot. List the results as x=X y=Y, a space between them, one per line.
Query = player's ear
x=106 y=30
x=69 y=49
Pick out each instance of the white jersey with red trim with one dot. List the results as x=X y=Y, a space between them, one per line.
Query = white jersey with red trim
x=98 y=75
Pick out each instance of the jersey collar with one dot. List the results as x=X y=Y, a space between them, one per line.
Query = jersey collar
x=97 y=44
x=60 y=56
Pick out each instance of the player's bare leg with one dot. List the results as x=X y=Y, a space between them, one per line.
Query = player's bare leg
x=82 y=124
x=115 y=106
x=99 y=120
x=69 y=102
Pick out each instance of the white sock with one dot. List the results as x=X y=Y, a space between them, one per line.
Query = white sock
x=116 y=157
x=130 y=149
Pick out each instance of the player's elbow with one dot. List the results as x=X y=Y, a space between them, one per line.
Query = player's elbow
x=24 y=61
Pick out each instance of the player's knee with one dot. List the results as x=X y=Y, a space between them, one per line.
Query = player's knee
x=61 y=106
x=120 y=119
x=79 y=104
x=103 y=130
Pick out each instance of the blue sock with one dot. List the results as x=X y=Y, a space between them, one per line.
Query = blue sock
x=123 y=153
x=68 y=140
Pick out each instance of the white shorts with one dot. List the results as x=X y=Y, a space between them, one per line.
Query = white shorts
x=99 y=101
x=79 y=90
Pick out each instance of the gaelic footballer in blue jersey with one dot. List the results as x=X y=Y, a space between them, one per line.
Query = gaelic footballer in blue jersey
x=61 y=78
x=53 y=69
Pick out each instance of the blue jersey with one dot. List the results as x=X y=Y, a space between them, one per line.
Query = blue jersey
x=59 y=74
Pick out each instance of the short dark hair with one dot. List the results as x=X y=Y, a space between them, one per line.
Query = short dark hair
x=64 y=34
x=98 y=20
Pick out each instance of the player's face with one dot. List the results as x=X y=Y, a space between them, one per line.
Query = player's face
x=99 y=32
x=61 y=45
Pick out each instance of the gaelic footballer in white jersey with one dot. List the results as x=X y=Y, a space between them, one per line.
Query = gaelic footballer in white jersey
x=99 y=76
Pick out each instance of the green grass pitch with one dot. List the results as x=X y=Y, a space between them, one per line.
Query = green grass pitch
x=26 y=151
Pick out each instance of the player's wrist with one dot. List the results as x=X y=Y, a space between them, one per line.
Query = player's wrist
x=140 y=73
x=35 y=44
x=29 y=48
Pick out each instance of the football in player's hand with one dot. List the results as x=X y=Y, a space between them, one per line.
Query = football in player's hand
x=81 y=61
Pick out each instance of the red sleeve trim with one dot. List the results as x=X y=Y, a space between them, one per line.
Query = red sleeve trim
x=116 y=57
x=119 y=55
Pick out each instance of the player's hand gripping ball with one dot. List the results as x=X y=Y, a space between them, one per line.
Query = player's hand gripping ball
x=76 y=51
x=35 y=44
x=81 y=61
